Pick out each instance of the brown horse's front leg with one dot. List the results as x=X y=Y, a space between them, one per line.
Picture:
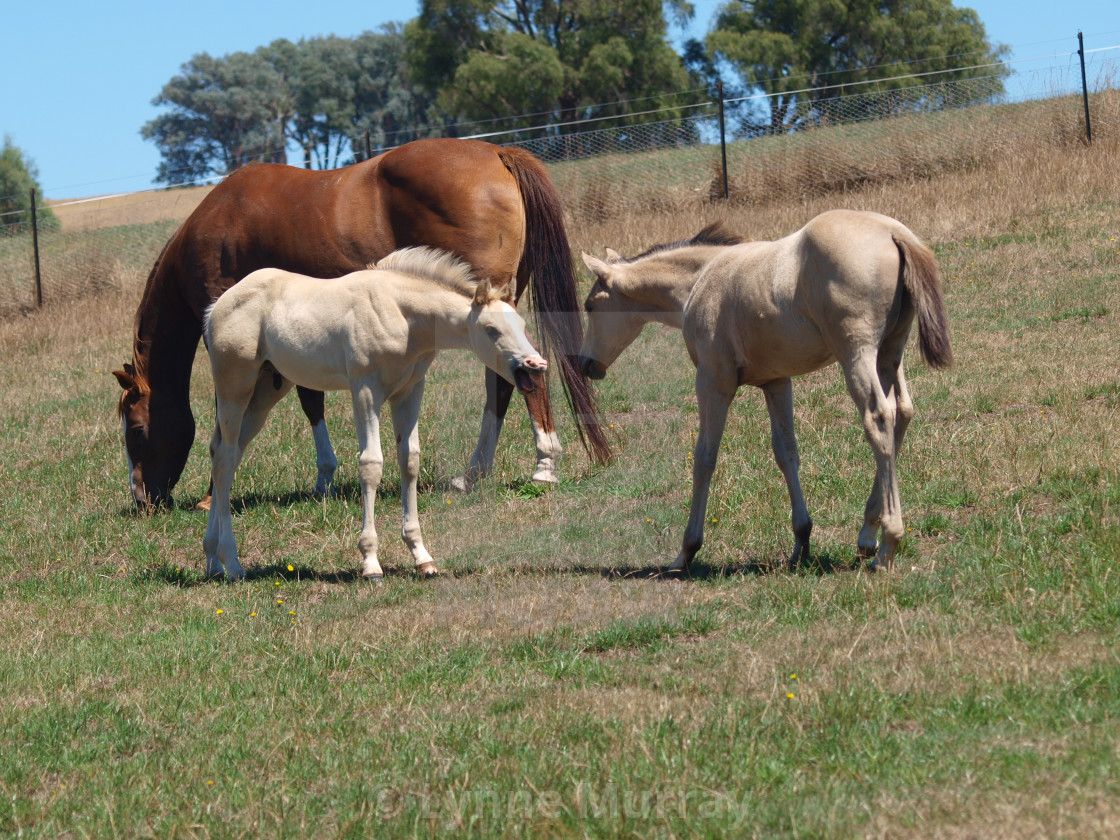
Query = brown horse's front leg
x=326 y=462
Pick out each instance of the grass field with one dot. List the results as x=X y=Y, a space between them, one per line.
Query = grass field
x=550 y=684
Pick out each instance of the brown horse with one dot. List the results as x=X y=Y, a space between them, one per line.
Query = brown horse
x=493 y=206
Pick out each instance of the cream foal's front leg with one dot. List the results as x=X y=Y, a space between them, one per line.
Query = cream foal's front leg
x=367 y=424
x=406 y=414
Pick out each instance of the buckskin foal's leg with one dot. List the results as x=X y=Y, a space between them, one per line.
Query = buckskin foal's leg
x=779 y=402
x=879 y=414
x=892 y=379
x=714 y=402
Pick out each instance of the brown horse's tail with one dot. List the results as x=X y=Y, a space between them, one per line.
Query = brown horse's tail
x=554 y=293
x=920 y=276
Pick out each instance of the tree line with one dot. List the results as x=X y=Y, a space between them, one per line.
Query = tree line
x=519 y=63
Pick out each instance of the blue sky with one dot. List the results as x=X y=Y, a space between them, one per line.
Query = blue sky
x=81 y=76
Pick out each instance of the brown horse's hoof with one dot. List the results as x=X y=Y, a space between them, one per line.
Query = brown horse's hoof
x=203 y=503
x=427 y=570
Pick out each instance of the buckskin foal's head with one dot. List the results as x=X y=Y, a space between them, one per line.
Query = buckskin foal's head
x=155 y=461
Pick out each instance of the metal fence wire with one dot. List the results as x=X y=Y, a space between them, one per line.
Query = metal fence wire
x=657 y=162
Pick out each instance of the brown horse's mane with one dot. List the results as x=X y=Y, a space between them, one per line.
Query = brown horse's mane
x=137 y=371
x=713 y=234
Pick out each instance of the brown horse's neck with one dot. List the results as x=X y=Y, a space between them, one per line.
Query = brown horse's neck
x=165 y=338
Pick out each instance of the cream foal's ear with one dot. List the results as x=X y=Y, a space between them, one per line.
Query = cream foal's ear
x=482 y=292
x=613 y=256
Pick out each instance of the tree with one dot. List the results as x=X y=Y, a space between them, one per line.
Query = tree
x=386 y=103
x=344 y=87
x=18 y=177
x=225 y=112
x=803 y=51
x=321 y=95
x=545 y=59
x=322 y=87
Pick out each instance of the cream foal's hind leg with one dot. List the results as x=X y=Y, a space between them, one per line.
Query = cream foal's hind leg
x=235 y=428
x=219 y=544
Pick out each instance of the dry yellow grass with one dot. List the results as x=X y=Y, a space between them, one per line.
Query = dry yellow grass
x=128 y=209
x=971 y=694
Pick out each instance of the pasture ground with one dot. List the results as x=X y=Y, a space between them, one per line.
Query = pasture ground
x=549 y=684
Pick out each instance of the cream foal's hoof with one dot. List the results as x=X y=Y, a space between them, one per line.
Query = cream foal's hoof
x=427 y=570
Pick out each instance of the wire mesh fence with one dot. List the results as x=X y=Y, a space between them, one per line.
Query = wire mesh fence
x=667 y=161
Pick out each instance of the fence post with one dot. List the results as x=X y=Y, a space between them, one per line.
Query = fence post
x=1084 y=90
x=35 y=247
x=722 y=140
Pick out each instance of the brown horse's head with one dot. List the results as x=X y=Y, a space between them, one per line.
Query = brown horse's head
x=157 y=440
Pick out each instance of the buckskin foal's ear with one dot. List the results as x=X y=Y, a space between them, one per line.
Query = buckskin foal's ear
x=613 y=256
x=599 y=268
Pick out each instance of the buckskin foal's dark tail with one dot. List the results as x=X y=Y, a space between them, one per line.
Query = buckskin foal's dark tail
x=920 y=276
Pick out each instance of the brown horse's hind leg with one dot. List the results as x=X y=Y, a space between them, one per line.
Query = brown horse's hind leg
x=544 y=431
x=498 y=394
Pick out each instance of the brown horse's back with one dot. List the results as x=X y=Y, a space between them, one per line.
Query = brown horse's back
x=456 y=195
x=261 y=216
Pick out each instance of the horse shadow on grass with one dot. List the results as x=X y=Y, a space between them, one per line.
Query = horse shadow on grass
x=819 y=565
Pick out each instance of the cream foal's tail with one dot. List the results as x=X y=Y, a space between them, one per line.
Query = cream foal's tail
x=920 y=276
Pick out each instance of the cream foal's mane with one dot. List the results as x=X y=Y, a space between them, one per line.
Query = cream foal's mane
x=438 y=266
